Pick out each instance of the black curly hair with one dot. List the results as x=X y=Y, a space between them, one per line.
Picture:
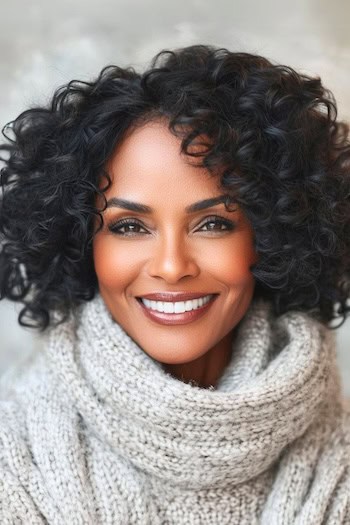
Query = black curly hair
x=273 y=133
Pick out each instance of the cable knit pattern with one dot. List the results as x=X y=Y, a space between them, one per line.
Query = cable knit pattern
x=95 y=431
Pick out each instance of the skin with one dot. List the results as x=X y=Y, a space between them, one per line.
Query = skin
x=172 y=250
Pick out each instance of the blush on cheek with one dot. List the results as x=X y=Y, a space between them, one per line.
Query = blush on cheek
x=105 y=261
x=232 y=266
x=115 y=267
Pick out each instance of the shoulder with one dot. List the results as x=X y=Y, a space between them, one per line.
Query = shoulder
x=340 y=458
x=23 y=387
x=346 y=423
x=343 y=489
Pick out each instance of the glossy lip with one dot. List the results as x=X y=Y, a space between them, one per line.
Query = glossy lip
x=174 y=296
x=174 y=319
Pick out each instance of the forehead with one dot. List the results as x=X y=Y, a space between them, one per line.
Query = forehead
x=149 y=165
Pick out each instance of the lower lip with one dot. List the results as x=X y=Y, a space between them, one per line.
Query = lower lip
x=183 y=318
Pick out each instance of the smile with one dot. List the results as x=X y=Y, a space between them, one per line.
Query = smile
x=177 y=307
x=176 y=312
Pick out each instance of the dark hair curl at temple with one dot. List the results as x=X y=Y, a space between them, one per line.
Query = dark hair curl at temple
x=271 y=135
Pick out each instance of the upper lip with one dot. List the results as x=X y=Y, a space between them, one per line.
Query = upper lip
x=173 y=296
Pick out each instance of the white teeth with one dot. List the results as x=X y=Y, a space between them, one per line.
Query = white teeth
x=160 y=306
x=168 y=308
x=176 y=307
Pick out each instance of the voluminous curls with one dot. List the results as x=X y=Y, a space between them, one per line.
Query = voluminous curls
x=271 y=135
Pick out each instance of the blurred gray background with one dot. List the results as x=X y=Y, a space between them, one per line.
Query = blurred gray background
x=45 y=44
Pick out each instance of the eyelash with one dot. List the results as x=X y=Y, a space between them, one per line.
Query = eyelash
x=115 y=227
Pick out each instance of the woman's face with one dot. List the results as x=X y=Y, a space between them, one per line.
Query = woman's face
x=169 y=249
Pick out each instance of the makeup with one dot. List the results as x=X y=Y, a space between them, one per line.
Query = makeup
x=177 y=318
x=163 y=245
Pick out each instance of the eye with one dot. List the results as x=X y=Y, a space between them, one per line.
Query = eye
x=132 y=227
x=219 y=221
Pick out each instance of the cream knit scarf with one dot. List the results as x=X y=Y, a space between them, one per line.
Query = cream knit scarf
x=115 y=439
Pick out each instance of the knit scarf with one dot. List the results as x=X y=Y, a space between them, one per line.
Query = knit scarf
x=268 y=445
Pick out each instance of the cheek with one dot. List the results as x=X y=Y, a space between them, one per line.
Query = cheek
x=114 y=267
x=232 y=262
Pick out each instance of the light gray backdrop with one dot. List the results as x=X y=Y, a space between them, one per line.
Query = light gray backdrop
x=45 y=44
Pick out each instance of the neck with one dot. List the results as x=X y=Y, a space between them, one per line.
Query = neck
x=205 y=371
x=273 y=390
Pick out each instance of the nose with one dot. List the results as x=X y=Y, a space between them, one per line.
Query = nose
x=172 y=260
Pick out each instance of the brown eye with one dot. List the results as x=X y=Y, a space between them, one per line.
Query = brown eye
x=219 y=224
x=130 y=227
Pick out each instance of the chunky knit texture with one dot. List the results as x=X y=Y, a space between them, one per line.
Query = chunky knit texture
x=94 y=431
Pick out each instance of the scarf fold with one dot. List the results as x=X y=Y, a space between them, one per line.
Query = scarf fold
x=277 y=410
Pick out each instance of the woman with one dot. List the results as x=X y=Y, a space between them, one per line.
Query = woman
x=181 y=236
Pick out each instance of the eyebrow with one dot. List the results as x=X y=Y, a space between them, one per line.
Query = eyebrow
x=142 y=208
